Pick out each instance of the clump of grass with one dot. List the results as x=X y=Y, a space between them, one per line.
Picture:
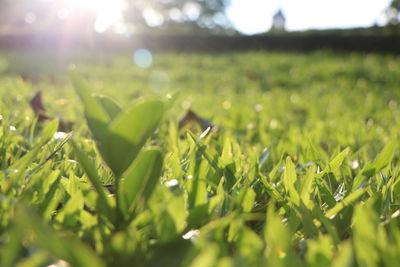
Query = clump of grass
x=303 y=169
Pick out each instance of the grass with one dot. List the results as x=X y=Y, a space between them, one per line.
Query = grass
x=303 y=169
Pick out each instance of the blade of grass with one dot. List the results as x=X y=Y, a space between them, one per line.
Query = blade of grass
x=349 y=200
x=381 y=161
x=97 y=118
x=94 y=179
x=140 y=180
x=69 y=249
x=128 y=133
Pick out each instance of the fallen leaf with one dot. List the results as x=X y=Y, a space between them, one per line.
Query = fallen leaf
x=191 y=118
x=40 y=111
x=38 y=107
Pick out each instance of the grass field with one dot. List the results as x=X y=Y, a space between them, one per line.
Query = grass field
x=301 y=169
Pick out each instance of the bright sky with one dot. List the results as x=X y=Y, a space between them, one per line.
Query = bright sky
x=255 y=16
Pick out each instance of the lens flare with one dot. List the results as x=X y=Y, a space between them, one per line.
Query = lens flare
x=143 y=58
x=108 y=12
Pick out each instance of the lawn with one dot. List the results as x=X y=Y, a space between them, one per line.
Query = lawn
x=286 y=159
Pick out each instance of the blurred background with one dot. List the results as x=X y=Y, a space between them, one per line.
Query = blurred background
x=75 y=19
x=54 y=29
x=193 y=16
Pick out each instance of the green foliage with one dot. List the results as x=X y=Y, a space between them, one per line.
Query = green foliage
x=393 y=13
x=140 y=180
x=303 y=170
x=119 y=137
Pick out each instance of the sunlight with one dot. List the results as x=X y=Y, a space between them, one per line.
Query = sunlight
x=108 y=12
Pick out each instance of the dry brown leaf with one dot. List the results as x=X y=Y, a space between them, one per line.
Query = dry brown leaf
x=40 y=111
x=191 y=118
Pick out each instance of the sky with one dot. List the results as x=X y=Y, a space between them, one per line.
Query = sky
x=255 y=16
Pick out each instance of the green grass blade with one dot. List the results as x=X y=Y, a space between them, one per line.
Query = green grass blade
x=366 y=238
x=97 y=118
x=49 y=131
x=349 y=200
x=9 y=254
x=94 y=179
x=128 y=133
x=22 y=164
x=109 y=106
x=277 y=236
x=381 y=161
x=335 y=163
x=140 y=180
x=289 y=180
x=65 y=248
x=307 y=185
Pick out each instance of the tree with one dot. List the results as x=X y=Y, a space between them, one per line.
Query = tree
x=393 y=12
x=206 y=14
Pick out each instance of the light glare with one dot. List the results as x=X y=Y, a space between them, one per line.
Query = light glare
x=108 y=12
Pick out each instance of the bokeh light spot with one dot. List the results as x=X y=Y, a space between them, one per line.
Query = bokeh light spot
x=192 y=10
x=143 y=58
x=30 y=17
x=152 y=17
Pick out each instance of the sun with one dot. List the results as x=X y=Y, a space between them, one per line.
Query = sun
x=108 y=12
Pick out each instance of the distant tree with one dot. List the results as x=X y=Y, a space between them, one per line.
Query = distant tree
x=206 y=14
x=393 y=13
